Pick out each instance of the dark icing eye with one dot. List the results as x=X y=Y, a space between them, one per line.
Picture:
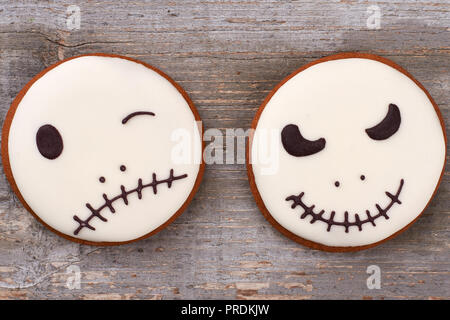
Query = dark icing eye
x=388 y=126
x=296 y=145
x=49 y=142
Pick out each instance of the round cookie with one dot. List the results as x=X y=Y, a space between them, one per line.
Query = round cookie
x=103 y=149
x=346 y=152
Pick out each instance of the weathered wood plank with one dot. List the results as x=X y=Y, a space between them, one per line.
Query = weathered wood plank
x=227 y=55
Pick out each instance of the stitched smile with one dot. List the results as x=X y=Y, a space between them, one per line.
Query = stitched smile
x=124 y=196
x=309 y=211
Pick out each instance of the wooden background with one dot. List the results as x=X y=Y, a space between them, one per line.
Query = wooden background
x=227 y=55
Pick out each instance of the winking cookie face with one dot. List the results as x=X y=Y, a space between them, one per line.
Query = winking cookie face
x=91 y=153
x=360 y=152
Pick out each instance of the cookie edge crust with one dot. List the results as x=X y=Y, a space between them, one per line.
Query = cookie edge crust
x=251 y=178
x=7 y=167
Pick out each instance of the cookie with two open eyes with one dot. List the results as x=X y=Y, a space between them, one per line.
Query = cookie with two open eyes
x=91 y=148
x=347 y=152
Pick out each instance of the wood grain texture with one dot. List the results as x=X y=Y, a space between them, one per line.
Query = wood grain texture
x=227 y=55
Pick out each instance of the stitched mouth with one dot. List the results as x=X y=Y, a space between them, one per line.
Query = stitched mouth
x=382 y=212
x=96 y=213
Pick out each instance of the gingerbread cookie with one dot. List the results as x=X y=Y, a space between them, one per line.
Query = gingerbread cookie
x=91 y=148
x=347 y=152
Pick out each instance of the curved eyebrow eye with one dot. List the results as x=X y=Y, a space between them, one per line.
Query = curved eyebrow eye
x=388 y=126
x=296 y=145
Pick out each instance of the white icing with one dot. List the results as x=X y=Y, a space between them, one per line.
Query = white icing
x=86 y=99
x=338 y=100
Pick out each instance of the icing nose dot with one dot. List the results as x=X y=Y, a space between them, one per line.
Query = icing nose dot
x=363 y=177
x=123 y=168
x=337 y=184
x=102 y=179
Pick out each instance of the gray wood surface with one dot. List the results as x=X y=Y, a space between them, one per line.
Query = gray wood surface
x=227 y=55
